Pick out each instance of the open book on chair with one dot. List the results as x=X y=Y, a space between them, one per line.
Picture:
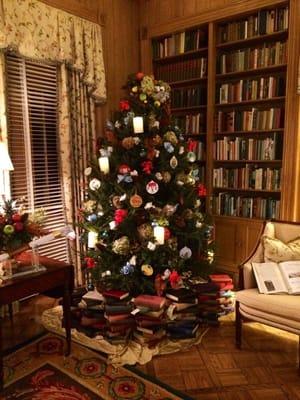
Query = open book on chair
x=283 y=277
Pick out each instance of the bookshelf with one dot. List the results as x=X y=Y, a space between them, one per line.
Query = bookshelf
x=250 y=87
x=181 y=59
x=250 y=123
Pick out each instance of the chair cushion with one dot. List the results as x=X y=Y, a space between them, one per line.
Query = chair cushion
x=275 y=250
x=285 y=306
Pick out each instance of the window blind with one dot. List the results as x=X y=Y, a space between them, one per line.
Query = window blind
x=33 y=143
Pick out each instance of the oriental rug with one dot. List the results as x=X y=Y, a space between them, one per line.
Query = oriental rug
x=40 y=371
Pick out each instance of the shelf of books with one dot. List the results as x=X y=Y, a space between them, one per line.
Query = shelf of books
x=181 y=60
x=249 y=114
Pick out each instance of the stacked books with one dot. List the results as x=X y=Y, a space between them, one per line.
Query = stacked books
x=150 y=318
x=226 y=296
x=117 y=313
x=208 y=305
x=87 y=312
x=182 y=313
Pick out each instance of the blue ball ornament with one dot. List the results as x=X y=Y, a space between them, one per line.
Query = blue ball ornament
x=92 y=218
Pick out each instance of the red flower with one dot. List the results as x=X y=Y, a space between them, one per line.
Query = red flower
x=201 y=189
x=124 y=105
x=147 y=166
x=174 y=279
x=139 y=76
x=90 y=262
x=192 y=145
x=120 y=215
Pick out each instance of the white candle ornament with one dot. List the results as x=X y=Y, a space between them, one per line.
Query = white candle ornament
x=159 y=234
x=138 y=125
x=92 y=239
x=104 y=164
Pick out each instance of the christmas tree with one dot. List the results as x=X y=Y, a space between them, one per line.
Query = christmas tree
x=142 y=222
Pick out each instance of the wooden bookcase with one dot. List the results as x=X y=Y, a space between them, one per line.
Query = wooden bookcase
x=181 y=60
x=252 y=131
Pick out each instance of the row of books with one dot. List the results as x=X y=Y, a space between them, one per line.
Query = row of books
x=188 y=97
x=252 y=89
x=192 y=124
x=248 y=177
x=182 y=70
x=241 y=148
x=243 y=206
x=179 y=43
x=266 y=55
x=149 y=319
x=262 y=23
x=249 y=120
x=200 y=151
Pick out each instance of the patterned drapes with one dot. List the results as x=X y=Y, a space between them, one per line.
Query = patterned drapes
x=40 y=32
x=37 y=31
x=77 y=138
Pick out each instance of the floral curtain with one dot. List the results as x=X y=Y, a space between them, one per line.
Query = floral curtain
x=40 y=32
x=78 y=138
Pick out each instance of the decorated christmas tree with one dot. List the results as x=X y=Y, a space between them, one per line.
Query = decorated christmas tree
x=142 y=224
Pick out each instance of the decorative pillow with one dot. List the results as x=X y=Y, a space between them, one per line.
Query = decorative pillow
x=275 y=250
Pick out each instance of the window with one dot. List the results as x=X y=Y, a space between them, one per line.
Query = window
x=33 y=143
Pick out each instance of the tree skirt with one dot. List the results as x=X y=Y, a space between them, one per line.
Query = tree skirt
x=130 y=354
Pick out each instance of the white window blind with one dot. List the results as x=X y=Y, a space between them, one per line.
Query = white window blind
x=33 y=143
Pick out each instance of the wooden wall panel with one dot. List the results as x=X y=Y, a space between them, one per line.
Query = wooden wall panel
x=120 y=28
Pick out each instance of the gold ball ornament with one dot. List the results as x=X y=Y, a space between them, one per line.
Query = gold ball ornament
x=136 y=201
x=134 y=89
x=116 y=202
x=145 y=231
x=171 y=137
x=166 y=176
x=147 y=270
x=128 y=143
x=121 y=246
x=157 y=103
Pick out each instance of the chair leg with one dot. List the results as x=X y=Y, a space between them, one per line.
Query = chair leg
x=238 y=325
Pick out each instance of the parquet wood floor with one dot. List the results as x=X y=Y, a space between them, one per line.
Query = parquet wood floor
x=265 y=368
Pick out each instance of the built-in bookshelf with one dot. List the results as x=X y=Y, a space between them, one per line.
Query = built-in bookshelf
x=250 y=88
x=181 y=60
x=247 y=59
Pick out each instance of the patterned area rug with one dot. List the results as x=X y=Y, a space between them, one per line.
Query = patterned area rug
x=39 y=371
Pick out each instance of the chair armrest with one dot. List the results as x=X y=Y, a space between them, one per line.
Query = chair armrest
x=246 y=276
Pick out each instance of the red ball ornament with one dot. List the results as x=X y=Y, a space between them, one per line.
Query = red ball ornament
x=124 y=169
x=167 y=234
x=16 y=217
x=139 y=76
x=90 y=262
x=124 y=105
x=19 y=226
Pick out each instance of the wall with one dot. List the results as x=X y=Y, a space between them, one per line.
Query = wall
x=120 y=42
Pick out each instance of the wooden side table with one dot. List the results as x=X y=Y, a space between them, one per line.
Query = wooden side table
x=58 y=277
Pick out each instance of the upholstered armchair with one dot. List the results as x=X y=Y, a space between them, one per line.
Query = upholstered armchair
x=277 y=310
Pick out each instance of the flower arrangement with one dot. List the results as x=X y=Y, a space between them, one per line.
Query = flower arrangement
x=17 y=227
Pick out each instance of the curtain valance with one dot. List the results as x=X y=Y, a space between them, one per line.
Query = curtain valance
x=41 y=32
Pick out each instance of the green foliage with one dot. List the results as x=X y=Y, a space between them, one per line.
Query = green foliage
x=122 y=210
